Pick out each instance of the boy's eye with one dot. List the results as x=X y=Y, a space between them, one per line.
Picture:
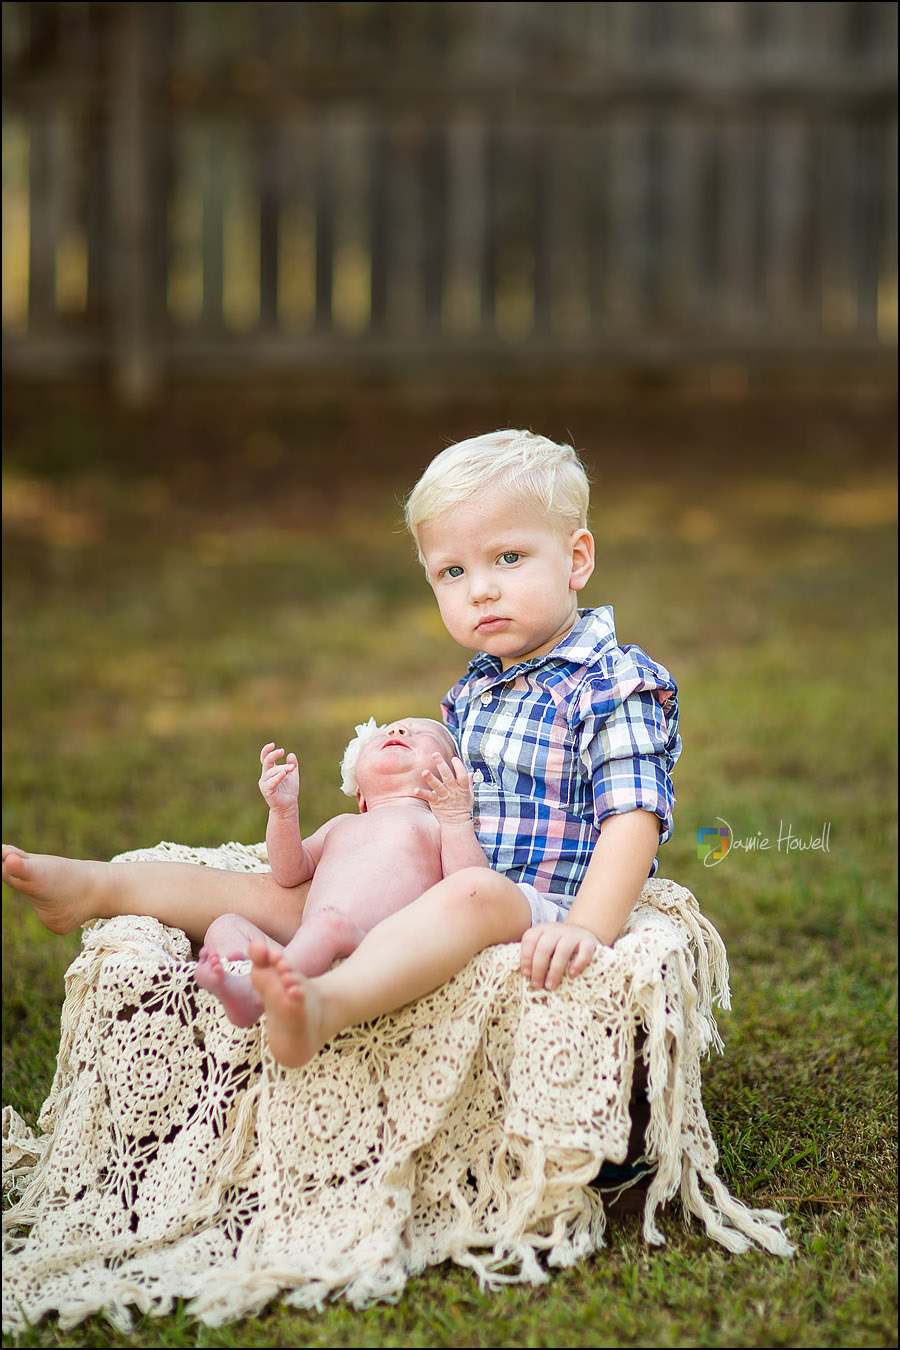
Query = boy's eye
x=510 y=557
x=454 y=571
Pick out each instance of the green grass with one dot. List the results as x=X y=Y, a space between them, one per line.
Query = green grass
x=152 y=645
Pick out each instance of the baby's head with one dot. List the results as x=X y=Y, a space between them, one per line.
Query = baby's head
x=513 y=465
x=366 y=731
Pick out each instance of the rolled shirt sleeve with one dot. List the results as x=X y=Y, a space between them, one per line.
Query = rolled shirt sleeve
x=627 y=733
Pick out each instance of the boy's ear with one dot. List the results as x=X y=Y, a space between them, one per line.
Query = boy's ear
x=361 y=801
x=582 y=546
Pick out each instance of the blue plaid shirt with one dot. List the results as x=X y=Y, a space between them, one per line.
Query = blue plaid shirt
x=560 y=742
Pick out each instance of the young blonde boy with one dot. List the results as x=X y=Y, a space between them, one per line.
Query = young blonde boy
x=570 y=738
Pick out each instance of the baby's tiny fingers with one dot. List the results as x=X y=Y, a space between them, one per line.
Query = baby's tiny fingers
x=441 y=768
x=460 y=772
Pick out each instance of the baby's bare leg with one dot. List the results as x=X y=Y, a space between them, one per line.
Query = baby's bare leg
x=321 y=939
x=67 y=892
x=230 y=937
x=403 y=957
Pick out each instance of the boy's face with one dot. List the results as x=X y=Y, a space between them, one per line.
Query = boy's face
x=397 y=754
x=505 y=580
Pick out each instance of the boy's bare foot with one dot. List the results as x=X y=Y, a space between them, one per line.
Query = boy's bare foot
x=292 y=1006
x=63 y=891
x=235 y=992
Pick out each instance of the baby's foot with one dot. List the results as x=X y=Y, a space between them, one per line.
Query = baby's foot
x=292 y=1005
x=63 y=891
x=235 y=992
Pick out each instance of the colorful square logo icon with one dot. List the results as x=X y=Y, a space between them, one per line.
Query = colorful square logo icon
x=713 y=842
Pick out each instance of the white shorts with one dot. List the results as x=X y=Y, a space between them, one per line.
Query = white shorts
x=545 y=908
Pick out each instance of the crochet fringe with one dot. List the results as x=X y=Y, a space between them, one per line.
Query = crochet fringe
x=177 y=1160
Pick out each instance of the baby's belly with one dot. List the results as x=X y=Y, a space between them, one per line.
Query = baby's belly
x=373 y=872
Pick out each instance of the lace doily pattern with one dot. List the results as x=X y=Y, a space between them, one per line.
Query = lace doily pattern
x=176 y=1160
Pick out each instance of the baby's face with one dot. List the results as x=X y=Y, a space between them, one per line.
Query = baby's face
x=405 y=747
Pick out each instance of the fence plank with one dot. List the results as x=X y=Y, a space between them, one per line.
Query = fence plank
x=406 y=212
x=513 y=259
x=625 y=264
x=740 y=310
x=324 y=216
x=887 y=286
x=839 y=298
x=134 y=354
x=868 y=221
x=598 y=231
x=351 y=280
x=43 y=219
x=297 y=170
x=542 y=149
x=463 y=311
x=784 y=213
x=434 y=178
x=379 y=224
x=266 y=159
x=567 y=170
x=210 y=169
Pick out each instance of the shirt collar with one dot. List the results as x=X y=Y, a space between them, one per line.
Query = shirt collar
x=593 y=635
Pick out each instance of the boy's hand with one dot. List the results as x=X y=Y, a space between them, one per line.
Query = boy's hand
x=448 y=791
x=551 y=950
x=279 y=783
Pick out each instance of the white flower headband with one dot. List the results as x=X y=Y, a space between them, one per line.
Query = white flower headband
x=364 y=732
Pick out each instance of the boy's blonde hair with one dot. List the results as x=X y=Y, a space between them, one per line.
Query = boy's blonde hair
x=528 y=466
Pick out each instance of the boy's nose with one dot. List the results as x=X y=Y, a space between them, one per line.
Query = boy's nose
x=482 y=587
x=397 y=729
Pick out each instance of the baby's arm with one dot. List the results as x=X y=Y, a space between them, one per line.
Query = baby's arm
x=619 y=866
x=448 y=791
x=279 y=784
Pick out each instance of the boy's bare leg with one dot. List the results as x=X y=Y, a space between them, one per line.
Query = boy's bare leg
x=67 y=892
x=403 y=957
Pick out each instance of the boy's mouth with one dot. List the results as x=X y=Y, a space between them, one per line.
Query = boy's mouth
x=490 y=623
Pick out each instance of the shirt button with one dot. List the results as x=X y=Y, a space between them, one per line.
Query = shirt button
x=486 y=699
x=478 y=776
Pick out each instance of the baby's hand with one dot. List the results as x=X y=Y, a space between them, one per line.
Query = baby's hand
x=278 y=783
x=448 y=791
x=551 y=950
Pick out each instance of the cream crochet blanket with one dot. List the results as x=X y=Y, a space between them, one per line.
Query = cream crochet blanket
x=176 y=1159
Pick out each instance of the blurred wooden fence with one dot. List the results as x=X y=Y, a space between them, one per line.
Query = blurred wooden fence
x=255 y=188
